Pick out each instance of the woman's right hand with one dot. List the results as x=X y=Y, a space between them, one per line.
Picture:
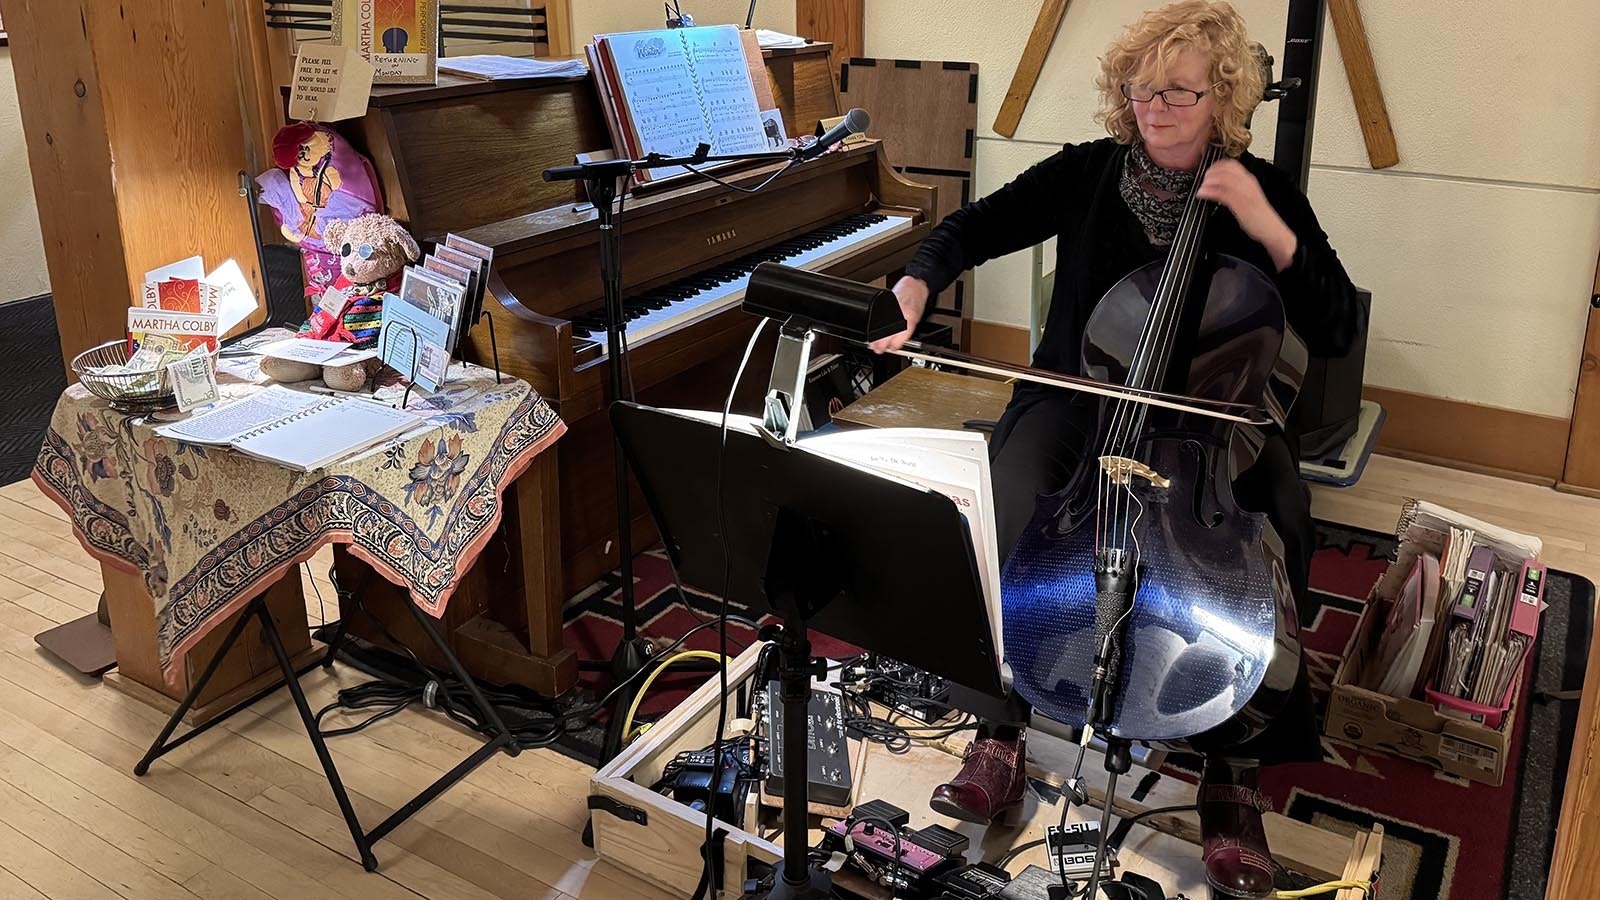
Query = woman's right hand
x=913 y=296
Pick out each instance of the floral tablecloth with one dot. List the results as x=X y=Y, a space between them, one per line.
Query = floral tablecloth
x=210 y=528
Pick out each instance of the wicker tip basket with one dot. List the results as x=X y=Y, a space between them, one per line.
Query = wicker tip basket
x=139 y=392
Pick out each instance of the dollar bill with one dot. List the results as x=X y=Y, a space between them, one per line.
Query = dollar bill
x=194 y=380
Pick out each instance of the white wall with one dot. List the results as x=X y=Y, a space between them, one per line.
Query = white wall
x=22 y=266
x=592 y=17
x=1489 y=224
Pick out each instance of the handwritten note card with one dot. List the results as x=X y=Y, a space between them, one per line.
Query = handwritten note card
x=331 y=83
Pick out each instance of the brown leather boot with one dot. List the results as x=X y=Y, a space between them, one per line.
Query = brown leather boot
x=989 y=787
x=1233 y=840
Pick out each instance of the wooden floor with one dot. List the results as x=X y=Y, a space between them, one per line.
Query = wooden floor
x=243 y=813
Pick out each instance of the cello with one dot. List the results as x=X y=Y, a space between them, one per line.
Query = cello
x=1141 y=601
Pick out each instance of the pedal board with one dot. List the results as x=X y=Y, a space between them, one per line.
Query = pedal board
x=829 y=776
x=917 y=860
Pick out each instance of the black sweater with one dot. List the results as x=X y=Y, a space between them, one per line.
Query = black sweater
x=1074 y=196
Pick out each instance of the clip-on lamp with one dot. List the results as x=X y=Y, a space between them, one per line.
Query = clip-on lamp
x=806 y=304
x=821 y=543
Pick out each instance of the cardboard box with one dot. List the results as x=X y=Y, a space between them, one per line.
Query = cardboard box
x=1409 y=728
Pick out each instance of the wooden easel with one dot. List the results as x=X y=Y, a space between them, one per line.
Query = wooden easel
x=1358 y=66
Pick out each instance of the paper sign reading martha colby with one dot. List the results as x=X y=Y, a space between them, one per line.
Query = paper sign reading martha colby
x=330 y=83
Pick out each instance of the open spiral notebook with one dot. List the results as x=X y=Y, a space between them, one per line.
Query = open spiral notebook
x=297 y=430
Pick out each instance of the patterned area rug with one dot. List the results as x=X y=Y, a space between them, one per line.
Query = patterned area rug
x=1445 y=838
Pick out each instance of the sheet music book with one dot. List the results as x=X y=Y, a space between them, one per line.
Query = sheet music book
x=1398 y=668
x=495 y=67
x=293 y=429
x=954 y=463
x=673 y=89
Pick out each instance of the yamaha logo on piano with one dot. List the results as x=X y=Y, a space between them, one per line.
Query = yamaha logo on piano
x=719 y=237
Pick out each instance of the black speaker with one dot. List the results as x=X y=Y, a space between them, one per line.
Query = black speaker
x=1329 y=405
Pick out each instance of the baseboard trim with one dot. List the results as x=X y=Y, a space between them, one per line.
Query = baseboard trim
x=1470 y=436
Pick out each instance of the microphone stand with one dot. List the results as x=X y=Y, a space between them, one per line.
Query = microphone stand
x=600 y=181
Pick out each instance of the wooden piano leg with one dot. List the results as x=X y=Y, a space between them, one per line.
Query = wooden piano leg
x=539 y=523
x=504 y=622
x=518 y=639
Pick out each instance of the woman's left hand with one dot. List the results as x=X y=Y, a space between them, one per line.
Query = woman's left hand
x=1229 y=183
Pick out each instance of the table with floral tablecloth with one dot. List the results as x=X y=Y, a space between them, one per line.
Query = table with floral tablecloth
x=210 y=528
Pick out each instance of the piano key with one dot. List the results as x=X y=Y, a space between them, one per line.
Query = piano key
x=700 y=295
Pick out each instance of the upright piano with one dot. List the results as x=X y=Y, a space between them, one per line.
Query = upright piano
x=467 y=157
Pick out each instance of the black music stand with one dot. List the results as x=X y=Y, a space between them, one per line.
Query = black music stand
x=878 y=563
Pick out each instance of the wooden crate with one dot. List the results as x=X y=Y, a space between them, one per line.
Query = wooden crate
x=659 y=840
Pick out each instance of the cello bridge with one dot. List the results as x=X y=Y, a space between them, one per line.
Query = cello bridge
x=1122 y=470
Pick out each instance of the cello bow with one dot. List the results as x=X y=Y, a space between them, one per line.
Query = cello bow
x=1242 y=413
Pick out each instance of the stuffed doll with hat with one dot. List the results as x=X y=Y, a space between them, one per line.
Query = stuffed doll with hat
x=372 y=253
x=318 y=179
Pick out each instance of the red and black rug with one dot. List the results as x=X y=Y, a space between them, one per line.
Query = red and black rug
x=1445 y=837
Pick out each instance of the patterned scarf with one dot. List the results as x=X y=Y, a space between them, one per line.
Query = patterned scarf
x=1154 y=194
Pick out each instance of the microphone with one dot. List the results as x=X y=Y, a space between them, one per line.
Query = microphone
x=855 y=122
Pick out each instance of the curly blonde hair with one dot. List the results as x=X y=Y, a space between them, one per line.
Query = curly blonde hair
x=1150 y=46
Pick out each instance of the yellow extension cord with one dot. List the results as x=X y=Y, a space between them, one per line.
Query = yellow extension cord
x=1364 y=886
x=627 y=723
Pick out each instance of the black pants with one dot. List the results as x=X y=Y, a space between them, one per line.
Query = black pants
x=1036 y=448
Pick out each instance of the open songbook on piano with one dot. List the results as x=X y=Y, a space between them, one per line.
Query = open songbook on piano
x=669 y=91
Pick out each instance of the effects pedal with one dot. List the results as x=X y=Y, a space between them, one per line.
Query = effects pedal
x=977 y=882
x=910 y=863
x=828 y=773
x=1074 y=847
x=905 y=689
x=693 y=784
x=1034 y=883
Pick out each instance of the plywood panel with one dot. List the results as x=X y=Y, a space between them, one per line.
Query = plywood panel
x=925 y=112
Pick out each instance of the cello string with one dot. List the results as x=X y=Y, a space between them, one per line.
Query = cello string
x=1152 y=355
x=1188 y=262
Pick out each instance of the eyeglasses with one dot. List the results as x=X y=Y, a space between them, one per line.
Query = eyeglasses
x=1170 y=96
x=364 y=251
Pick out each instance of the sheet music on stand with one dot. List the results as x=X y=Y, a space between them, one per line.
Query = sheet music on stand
x=669 y=90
